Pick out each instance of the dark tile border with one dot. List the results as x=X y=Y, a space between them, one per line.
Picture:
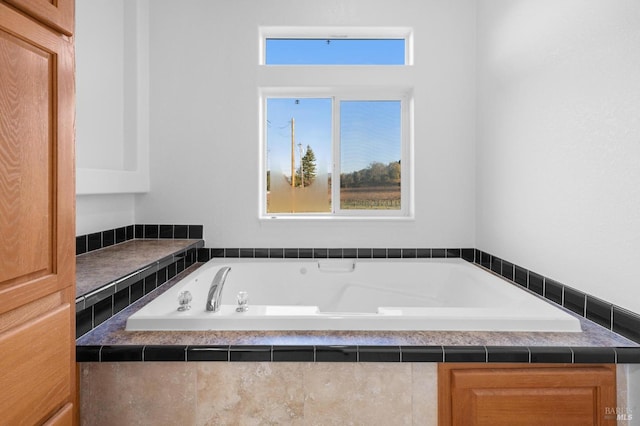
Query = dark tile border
x=97 y=240
x=379 y=354
x=206 y=254
x=422 y=353
x=599 y=312
x=465 y=354
x=164 y=353
x=256 y=353
x=594 y=355
x=286 y=353
x=336 y=353
x=294 y=354
x=627 y=355
x=551 y=354
x=575 y=301
x=88 y=353
x=121 y=353
x=207 y=353
x=603 y=313
x=626 y=323
x=508 y=354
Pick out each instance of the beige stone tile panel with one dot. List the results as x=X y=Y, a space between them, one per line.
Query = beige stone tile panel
x=135 y=393
x=425 y=393
x=252 y=393
x=357 y=394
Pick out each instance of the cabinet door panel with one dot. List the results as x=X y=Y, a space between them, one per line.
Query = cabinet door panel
x=26 y=145
x=531 y=394
x=35 y=378
x=57 y=14
x=566 y=407
x=36 y=161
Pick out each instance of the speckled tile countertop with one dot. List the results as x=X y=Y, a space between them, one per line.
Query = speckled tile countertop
x=100 y=267
x=112 y=332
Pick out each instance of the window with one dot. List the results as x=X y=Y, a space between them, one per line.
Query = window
x=341 y=155
x=369 y=171
x=341 y=150
x=334 y=51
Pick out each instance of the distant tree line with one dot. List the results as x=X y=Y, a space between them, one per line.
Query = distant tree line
x=377 y=174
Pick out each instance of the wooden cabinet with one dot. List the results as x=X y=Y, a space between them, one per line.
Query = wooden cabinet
x=58 y=14
x=37 y=216
x=526 y=394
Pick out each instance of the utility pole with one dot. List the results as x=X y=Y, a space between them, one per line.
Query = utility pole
x=293 y=153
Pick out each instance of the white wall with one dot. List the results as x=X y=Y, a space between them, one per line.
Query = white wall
x=100 y=84
x=558 y=167
x=112 y=111
x=95 y=213
x=204 y=120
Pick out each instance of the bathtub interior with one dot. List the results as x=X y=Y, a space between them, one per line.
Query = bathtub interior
x=358 y=286
x=419 y=294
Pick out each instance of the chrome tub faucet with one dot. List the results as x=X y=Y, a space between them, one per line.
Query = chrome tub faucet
x=215 y=291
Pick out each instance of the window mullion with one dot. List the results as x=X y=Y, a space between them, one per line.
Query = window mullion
x=335 y=170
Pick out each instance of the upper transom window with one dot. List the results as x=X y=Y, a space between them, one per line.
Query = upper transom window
x=334 y=51
x=336 y=46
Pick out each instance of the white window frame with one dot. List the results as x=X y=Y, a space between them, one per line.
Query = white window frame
x=404 y=96
x=340 y=83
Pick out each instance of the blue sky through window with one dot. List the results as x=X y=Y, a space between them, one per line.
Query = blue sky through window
x=370 y=131
x=312 y=127
x=335 y=51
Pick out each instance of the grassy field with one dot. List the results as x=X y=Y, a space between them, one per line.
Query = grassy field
x=371 y=198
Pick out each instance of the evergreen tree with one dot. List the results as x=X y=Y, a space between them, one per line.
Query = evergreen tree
x=308 y=168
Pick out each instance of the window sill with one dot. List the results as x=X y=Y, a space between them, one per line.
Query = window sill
x=335 y=218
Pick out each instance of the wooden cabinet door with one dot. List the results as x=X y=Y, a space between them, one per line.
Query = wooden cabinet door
x=37 y=219
x=58 y=14
x=531 y=394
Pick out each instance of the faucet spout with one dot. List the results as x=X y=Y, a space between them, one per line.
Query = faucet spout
x=215 y=291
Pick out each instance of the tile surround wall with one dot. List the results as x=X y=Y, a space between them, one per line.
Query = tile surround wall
x=98 y=240
x=98 y=306
x=94 y=309
x=612 y=317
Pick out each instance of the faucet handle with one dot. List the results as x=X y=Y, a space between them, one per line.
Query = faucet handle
x=243 y=301
x=184 y=300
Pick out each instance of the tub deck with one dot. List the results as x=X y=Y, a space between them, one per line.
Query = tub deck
x=113 y=332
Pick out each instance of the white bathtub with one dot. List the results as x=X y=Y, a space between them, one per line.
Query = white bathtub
x=371 y=294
